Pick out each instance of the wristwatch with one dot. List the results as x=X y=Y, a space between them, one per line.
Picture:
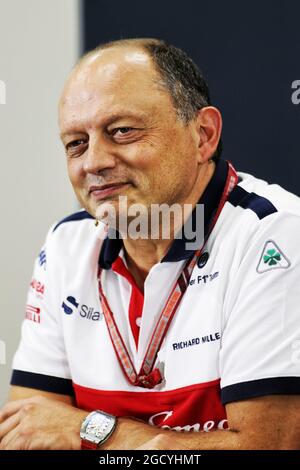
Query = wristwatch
x=96 y=429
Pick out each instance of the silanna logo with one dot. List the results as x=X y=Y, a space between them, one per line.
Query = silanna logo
x=70 y=305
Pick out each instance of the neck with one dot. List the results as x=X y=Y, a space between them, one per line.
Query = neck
x=142 y=254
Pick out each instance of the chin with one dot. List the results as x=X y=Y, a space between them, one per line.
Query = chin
x=88 y=208
x=106 y=212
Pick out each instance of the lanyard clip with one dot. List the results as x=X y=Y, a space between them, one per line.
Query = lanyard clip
x=150 y=380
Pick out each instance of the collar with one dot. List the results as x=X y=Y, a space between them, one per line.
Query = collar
x=210 y=198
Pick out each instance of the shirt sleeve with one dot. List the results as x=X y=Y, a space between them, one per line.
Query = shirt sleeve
x=40 y=361
x=260 y=351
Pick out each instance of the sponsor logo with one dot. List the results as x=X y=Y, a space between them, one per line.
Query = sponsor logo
x=195 y=341
x=203 y=260
x=159 y=418
x=42 y=259
x=70 y=305
x=204 y=279
x=37 y=287
x=33 y=313
x=272 y=258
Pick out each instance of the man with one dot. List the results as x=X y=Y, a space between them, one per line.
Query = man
x=164 y=337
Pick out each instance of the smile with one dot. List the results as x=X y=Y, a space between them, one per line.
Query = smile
x=105 y=191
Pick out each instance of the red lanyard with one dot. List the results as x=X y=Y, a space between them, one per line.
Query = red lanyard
x=149 y=377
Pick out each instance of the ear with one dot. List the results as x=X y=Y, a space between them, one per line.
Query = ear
x=209 y=127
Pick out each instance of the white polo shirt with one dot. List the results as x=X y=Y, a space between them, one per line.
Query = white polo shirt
x=235 y=335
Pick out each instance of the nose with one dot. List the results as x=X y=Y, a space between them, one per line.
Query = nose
x=98 y=157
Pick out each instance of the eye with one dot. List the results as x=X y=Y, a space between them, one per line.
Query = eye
x=75 y=148
x=122 y=130
x=75 y=143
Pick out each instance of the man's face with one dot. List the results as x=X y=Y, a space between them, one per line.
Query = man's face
x=122 y=135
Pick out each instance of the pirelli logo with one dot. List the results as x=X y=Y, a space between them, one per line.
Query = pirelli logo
x=33 y=313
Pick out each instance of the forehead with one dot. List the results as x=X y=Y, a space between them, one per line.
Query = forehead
x=110 y=83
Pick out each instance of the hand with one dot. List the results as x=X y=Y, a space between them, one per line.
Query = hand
x=40 y=423
x=163 y=442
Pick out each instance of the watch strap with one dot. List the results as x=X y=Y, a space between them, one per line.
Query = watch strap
x=87 y=445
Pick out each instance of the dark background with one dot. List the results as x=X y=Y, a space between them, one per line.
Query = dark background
x=249 y=52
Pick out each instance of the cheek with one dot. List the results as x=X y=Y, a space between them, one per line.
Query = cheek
x=74 y=168
x=178 y=167
x=141 y=156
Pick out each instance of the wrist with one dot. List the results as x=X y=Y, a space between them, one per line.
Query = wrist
x=129 y=434
x=76 y=425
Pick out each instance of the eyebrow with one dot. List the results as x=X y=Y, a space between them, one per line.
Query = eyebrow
x=109 y=120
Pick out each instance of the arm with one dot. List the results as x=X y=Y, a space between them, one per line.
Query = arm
x=21 y=393
x=270 y=422
x=35 y=419
x=40 y=412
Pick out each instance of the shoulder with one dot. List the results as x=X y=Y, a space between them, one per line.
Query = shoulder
x=259 y=217
x=78 y=217
x=261 y=194
x=256 y=204
x=68 y=236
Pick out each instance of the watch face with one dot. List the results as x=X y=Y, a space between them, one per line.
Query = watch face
x=97 y=427
x=93 y=431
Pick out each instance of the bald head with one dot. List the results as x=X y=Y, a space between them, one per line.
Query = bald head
x=110 y=81
x=141 y=44
x=175 y=71
x=115 y=64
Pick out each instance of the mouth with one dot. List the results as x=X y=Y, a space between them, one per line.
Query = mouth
x=106 y=190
